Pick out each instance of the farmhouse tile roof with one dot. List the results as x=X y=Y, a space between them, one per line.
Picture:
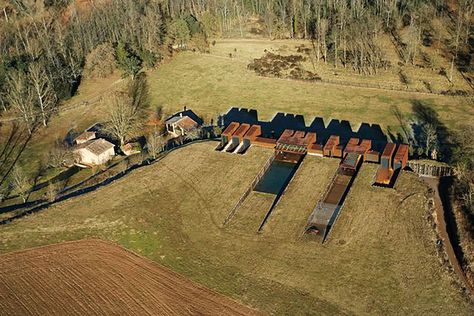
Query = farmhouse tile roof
x=180 y=115
x=85 y=136
x=96 y=146
x=187 y=123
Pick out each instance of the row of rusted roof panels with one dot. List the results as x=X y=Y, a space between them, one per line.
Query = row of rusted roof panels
x=331 y=148
x=392 y=158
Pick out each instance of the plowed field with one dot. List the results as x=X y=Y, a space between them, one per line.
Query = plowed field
x=93 y=277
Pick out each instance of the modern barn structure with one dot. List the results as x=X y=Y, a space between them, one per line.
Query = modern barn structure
x=291 y=145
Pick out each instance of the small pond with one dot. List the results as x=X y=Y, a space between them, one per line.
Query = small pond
x=276 y=177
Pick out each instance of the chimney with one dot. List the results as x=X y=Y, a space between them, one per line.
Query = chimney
x=181 y=114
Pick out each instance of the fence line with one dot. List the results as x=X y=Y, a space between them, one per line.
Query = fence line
x=250 y=188
x=429 y=170
x=62 y=196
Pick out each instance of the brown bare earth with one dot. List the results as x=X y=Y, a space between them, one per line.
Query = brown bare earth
x=94 y=277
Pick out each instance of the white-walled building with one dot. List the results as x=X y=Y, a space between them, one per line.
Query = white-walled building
x=95 y=152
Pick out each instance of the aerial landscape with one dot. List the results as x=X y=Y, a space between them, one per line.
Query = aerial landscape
x=236 y=157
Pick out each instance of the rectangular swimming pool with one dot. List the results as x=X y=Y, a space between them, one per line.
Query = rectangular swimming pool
x=276 y=177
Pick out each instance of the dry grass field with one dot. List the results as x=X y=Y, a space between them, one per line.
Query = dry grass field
x=92 y=277
x=212 y=83
x=380 y=259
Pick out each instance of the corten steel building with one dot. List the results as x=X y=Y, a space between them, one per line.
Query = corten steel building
x=385 y=171
x=290 y=145
x=327 y=210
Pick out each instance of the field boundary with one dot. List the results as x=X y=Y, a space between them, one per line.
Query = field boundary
x=109 y=180
x=252 y=185
x=351 y=84
x=162 y=272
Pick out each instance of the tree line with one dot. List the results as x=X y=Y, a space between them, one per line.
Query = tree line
x=47 y=47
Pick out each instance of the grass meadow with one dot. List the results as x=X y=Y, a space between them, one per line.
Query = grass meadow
x=380 y=259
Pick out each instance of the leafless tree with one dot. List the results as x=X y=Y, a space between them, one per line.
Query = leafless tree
x=123 y=119
x=43 y=90
x=431 y=139
x=59 y=156
x=20 y=183
x=193 y=134
x=155 y=144
x=20 y=98
x=51 y=192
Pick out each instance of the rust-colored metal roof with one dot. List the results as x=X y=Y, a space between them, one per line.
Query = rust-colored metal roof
x=265 y=142
x=286 y=137
x=353 y=141
x=310 y=138
x=402 y=152
x=230 y=130
x=253 y=132
x=389 y=150
x=332 y=141
x=295 y=141
x=315 y=149
x=299 y=134
x=383 y=176
x=366 y=144
x=241 y=131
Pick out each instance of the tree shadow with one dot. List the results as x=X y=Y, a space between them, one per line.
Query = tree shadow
x=424 y=115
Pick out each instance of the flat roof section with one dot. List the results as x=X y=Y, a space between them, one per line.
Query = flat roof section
x=230 y=130
x=265 y=142
x=383 y=176
x=253 y=132
x=389 y=150
x=402 y=152
x=337 y=190
x=241 y=131
x=351 y=160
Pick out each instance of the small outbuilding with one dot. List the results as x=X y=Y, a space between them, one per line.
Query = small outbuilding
x=95 y=152
x=182 y=122
x=84 y=137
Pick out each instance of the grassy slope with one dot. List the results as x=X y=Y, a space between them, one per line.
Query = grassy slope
x=381 y=258
x=211 y=84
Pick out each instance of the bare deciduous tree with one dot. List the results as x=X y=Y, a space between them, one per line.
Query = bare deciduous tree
x=155 y=144
x=51 y=192
x=193 y=134
x=43 y=90
x=123 y=119
x=20 y=97
x=20 y=183
x=59 y=156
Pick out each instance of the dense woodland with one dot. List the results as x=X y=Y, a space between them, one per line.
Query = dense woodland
x=48 y=46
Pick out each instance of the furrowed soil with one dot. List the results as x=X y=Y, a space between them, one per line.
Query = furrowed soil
x=93 y=277
x=380 y=258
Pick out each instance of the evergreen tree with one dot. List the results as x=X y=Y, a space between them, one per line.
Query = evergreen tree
x=127 y=60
